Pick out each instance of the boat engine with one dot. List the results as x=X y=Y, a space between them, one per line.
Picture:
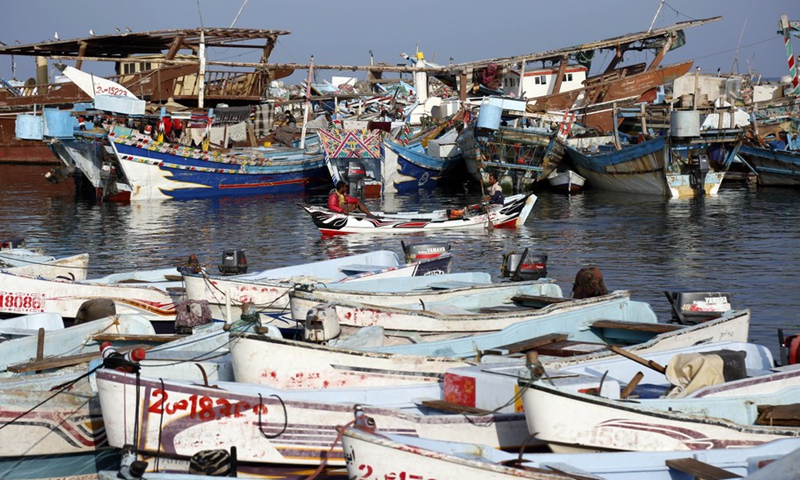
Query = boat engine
x=234 y=262
x=356 y=173
x=524 y=266
x=321 y=324
x=423 y=251
x=697 y=176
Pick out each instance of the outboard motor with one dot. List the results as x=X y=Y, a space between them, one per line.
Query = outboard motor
x=423 y=251
x=356 y=173
x=697 y=177
x=234 y=262
x=321 y=324
x=522 y=266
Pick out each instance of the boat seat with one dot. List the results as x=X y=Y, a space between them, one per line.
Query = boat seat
x=638 y=326
x=452 y=284
x=699 y=469
x=450 y=407
x=570 y=348
x=505 y=309
x=538 y=301
x=526 y=345
x=362 y=268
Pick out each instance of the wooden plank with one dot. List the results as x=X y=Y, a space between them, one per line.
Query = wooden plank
x=538 y=301
x=700 y=469
x=453 y=407
x=505 y=308
x=638 y=326
x=58 y=362
x=526 y=345
x=570 y=348
x=134 y=337
x=636 y=358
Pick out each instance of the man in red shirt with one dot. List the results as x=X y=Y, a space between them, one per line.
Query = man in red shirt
x=339 y=201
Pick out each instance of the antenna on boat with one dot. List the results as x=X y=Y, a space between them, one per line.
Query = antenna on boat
x=660 y=5
x=736 y=55
x=200 y=12
x=240 y=12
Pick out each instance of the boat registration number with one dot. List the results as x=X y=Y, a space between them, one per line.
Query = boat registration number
x=21 y=302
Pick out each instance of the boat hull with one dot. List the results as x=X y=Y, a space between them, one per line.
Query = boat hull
x=775 y=168
x=162 y=171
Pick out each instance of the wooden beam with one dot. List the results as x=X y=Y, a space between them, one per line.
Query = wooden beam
x=64 y=361
x=562 y=67
x=636 y=358
x=81 y=53
x=174 y=47
x=276 y=66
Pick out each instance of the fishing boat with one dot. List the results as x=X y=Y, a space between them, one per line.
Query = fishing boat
x=257 y=358
x=161 y=170
x=682 y=163
x=734 y=414
x=270 y=426
x=566 y=181
x=374 y=454
x=268 y=290
x=25 y=294
x=513 y=213
x=15 y=257
x=773 y=167
x=458 y=311
x=489 y=386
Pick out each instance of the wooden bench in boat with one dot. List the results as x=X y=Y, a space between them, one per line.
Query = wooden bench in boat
x=699 y=469
x=524 y=302
x=637 y=326
x=538 y=301
x=64 y=361
x=362 y=268
x=452 y=284
x=450 y=407
x=526 y=345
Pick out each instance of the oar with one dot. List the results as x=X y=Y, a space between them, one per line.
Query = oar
x=636 y=358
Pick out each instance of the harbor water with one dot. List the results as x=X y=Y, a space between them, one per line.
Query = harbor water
x=745 y=240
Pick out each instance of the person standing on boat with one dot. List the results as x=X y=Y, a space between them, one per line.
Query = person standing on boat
x=495 y=196
x=340 y=202
x=285 y=133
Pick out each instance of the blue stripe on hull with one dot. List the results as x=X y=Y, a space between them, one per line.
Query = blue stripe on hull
x=225 y=184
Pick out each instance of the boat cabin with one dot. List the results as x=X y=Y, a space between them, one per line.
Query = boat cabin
x=537 y=83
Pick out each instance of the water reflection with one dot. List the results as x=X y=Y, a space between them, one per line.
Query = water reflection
x=744 y=240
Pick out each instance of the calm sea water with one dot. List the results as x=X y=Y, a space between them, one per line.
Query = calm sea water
x=744 y=241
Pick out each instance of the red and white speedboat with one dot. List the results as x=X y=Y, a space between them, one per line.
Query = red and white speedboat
x=511 y=214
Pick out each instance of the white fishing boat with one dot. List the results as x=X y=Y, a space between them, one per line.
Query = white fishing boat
x=270 y=426
x=374 y=454
x=261 y=359
x=512 y=214
x=565 y=181
x=463 y=310
x=734 y=414
x=268 y=290
x=25 y=294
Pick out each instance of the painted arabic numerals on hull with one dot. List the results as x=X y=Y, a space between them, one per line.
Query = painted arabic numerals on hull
x=201 y=407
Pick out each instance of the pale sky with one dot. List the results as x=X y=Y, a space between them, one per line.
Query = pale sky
x=343 y=31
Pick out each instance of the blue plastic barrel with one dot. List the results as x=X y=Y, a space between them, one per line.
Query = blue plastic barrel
x=489 y=117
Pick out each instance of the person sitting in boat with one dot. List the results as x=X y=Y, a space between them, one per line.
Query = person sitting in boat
x=495 y=196
x=588 y=283
x=285 y=133
x=340 y=202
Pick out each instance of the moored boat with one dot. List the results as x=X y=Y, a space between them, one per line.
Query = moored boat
x=513 y=213
x=374 y=454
